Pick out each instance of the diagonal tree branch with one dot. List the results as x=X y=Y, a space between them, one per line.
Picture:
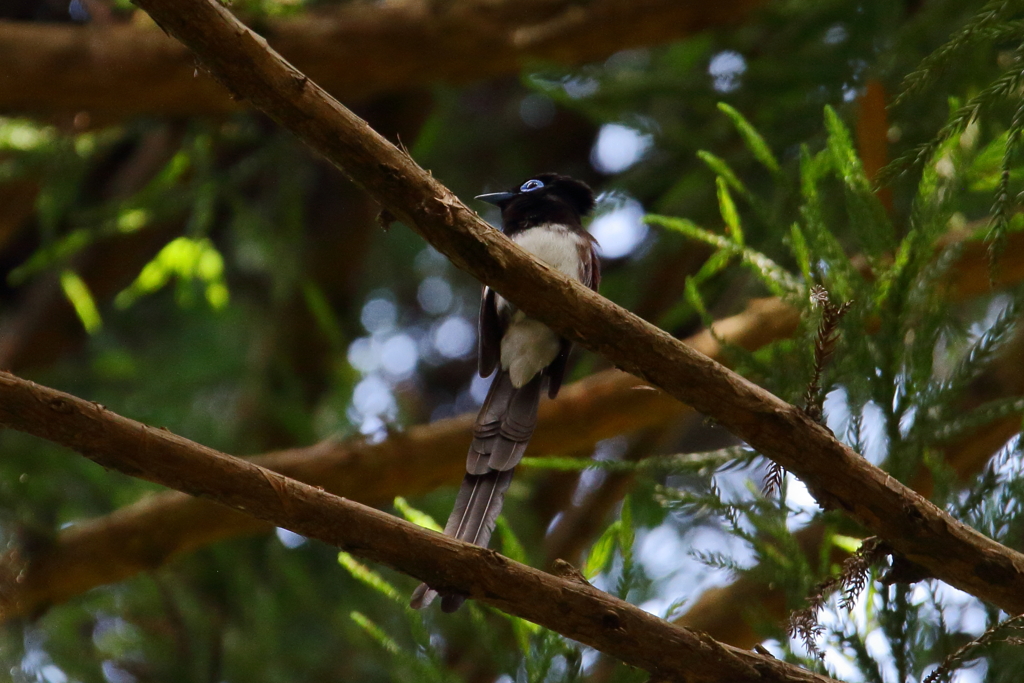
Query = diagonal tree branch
x=837 y=476
x=569 y=606
x=354 y=51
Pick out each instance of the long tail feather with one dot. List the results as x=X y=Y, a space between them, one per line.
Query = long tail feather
x=503 y=429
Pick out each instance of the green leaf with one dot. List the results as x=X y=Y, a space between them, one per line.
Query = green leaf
x=419 y=668
x=755 y=143
x=848 y=543
x=627 y=534
x=801 y=252
x=415 y=516
x=22 y=135
x=728 y=210
x=364 y=574
x=779 y=281
x=577 y=464
x=820 y=239
x=722 y=169
x=187 y=259
x=601 y=553
x=511 y=547
x=376 y=633
x=844 y=154
x=57 y=251
x=718 y=262
x=81 y=300
x=697 y=302
x=626 y=539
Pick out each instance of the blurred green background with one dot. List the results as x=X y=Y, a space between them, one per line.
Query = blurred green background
x=179 y=259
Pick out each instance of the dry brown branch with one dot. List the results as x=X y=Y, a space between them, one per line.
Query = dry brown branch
x=571 y=607
x=355 y=51
x=149 y=533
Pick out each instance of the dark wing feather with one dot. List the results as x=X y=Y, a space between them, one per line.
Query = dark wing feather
x=591 y=277
x=556 y=371
x=593 y=266
x=489 y=332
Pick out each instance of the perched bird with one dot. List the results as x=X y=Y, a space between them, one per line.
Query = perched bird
x=544 y=217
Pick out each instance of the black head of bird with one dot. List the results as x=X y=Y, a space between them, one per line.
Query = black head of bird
x=544 y=198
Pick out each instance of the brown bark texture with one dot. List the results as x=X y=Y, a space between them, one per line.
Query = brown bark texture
x=355 y=51
x=836 y=475
x=569 y=606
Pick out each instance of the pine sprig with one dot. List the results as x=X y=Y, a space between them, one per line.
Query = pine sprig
x=979 y=28
x=1002 y=632
x=1000 y=89
x=935 y=421
x=1004 y=205
x=857 y=568
x=772 y=482
x=824 y=347
x=851 y=580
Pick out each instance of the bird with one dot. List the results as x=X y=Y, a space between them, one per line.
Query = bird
x=544 y=216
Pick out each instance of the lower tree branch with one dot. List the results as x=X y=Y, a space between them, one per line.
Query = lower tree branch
x=571 y=607
x=147 y=534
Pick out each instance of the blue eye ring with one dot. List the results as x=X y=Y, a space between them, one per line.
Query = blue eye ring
x=531 y=185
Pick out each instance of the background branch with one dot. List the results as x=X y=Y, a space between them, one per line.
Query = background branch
x=354 y=51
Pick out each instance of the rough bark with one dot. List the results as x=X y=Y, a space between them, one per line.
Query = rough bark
x=569 y=606
x=355 y=51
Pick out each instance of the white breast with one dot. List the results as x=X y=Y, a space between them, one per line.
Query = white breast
x=555 y=245
x=528 y=346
